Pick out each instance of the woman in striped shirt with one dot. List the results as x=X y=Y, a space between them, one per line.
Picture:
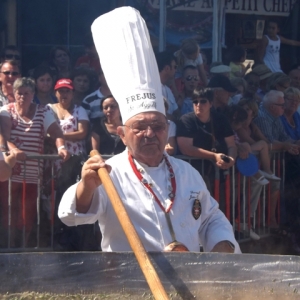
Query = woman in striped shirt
x=24 y=126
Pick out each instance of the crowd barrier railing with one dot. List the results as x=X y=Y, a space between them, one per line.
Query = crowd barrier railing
x=233 y=193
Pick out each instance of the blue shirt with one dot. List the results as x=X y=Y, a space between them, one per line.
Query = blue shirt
x=293 y=132
x=187 y=106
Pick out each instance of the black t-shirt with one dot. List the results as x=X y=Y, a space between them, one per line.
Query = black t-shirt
x=201 y=133
x=109 y=143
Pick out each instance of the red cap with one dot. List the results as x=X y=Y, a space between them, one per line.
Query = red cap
x=64 y=83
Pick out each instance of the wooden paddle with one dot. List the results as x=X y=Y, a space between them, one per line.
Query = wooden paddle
x=150 y=274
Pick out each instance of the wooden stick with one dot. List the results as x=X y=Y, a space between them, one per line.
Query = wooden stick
x=143 y=259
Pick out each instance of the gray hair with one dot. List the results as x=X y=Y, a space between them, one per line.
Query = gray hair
x=272 y=97
x=24 y=82
x=291 y=91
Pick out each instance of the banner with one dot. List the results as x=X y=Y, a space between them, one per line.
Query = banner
x=257 y=7
x=180 y=24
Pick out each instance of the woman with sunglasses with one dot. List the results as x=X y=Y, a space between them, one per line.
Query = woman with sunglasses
x=104 y=131
x=206 y=134
x=9 y=72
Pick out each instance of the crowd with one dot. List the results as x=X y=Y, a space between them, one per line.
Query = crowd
x=219 y=113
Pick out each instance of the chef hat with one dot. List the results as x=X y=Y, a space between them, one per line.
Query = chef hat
x=126 y=56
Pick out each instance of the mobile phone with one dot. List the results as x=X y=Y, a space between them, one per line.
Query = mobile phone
x=225 y=158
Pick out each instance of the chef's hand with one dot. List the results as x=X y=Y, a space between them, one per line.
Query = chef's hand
x=223 y=246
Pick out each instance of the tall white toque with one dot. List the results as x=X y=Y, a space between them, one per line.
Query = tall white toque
x=126 y=56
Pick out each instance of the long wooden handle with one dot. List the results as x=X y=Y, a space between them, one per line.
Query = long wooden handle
x=150 y=274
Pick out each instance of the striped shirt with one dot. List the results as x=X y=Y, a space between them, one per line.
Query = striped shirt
x=28 y=137
x=91 y=104
x=271 y=126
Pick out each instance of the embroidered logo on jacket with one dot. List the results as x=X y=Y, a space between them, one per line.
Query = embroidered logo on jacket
x=196 y=209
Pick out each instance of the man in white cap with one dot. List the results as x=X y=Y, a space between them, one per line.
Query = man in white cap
x=164 y=197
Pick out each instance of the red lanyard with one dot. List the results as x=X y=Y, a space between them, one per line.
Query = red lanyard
x=148 y=186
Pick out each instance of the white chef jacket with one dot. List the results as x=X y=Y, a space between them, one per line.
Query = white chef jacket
x=146 y=215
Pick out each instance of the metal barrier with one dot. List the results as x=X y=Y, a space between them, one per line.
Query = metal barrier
x=235 y=201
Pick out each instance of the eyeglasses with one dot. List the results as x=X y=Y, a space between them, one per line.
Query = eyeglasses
x=191 y=77
x=113 y=106
x=140 y=127
x=7 y=73
x=202 y=101
x=12 y=56
x=277 y=104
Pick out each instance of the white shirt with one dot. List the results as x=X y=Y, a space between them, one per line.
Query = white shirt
x=272 y=55
x=167 y=93
x=1 y=156
x=172 y=129
x=147 y=217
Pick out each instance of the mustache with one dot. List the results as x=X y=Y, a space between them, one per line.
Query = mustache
x=148 y=140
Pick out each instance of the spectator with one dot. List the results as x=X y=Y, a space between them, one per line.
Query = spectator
x=251 y=134
x=60 y=62
x=240 y=84
x=171 y=146
x=291 y=118
x=73 y=119
x=269 y=48
x=11 y=52
x=237 y=57
x=167 y=67
x=291 y=122
x=92 y=102
x=42 y=76
x=189 y=55
x=268 y=121
x=7 y=159
x=264 y=74
x=223 y=90
x=74 y=124
x=24 y=125
x=83 y=80
x=205 y=133
x=104 y=132
x=279 y=82
x=90 y=59
x=252 y=87
x=294 y=74
x=190 y=80
x=9 y=72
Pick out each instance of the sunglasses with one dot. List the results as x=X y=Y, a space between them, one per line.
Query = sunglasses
x=13 y=56
x=139 y=127
x=202 y=101
x=191 y=77
x=7 y=73
x=110 y=106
